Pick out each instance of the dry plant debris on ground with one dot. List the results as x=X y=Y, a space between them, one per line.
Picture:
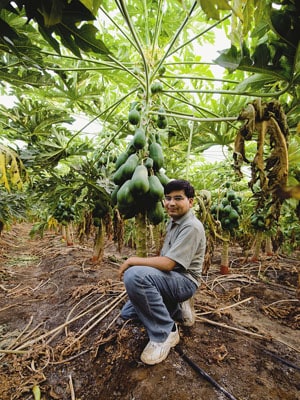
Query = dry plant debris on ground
x=61 y=336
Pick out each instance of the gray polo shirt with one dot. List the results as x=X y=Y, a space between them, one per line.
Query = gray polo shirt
x=185 y=244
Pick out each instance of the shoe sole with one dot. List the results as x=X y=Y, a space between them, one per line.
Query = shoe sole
x=159 y=360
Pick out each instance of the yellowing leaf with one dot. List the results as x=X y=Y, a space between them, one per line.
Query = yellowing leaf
x=3 y=175
x=12 y=170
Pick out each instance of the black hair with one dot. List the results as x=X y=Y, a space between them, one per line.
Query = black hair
x=180 y=184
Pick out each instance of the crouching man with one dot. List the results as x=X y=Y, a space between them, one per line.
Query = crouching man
x=160 y=289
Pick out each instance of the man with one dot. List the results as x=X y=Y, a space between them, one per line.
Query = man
x=159 y=288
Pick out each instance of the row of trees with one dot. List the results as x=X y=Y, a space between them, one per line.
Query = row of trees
x=104 y=60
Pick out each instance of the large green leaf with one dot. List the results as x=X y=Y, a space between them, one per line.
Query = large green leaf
x=212 y=7
x=59 y=17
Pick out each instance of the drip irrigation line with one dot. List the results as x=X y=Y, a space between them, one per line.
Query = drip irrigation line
x=204 y=374
x=284 y=361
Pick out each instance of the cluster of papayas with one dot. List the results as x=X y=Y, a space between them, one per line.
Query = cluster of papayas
x=228 y=210
x=101 y=208
x=140 y=180
x=139 y=176
x=258 y=222
x=64 y=213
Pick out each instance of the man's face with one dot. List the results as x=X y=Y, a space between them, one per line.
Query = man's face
x=177 y=204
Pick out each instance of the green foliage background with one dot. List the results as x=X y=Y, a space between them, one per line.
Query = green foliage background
x=62 y=59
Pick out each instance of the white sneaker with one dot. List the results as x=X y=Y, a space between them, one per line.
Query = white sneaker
x=155 y=353
x=188 y=312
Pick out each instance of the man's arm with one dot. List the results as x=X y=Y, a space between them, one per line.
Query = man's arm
x=160 y=262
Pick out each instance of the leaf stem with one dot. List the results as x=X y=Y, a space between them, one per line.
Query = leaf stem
x=200 y=34
x=167 y=53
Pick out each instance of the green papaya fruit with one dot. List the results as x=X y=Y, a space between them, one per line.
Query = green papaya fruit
x=134 y=117
x=119 y=176
x=156 y=189
x=139 y=181
x=130 y=166
x=156 y=214
x=155 y=152
x=148 y=163
x=162 y=123
x=124 y=195
x=156 y=87
x=162 y=177
x=139 y=138
x=121 y=159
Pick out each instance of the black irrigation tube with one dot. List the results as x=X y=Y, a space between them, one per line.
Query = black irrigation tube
x=211 y=380
x=286 y=362
x=203 y=373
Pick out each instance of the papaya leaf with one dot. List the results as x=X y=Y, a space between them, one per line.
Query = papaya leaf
x=256 y=82
x=47 y=35
x=12 y=170
x=210 y=9
x=229 y=59
x=92 y=5
x=85 y=38
x=67 y=39
x=12 y=207
x=53 y=13
x=261 y=55
x=76 y=12
x=6 y=31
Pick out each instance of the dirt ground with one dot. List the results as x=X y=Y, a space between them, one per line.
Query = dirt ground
x=61 y=336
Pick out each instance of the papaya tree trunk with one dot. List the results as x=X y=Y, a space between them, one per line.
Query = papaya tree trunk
x=224 y=269
x=157 y=237
x=1 y=227
x=141 y=235
x=269 y=247
x=69 y=235
x=98 y=250
x=63 y=232
x=257 y=246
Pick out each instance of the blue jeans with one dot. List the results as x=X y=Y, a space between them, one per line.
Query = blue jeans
x=153 y=298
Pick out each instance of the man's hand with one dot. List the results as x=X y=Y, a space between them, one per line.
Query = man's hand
x=123 y=268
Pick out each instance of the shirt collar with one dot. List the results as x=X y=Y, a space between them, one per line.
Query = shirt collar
x=182 y=219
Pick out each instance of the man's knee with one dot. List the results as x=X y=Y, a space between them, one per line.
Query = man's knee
x=138 y=276
x=131 y=277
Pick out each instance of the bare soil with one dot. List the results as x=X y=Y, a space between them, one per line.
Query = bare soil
x=61 y=334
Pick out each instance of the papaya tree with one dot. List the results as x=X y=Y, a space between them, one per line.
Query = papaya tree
x=269 y=167
x=226 y=210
